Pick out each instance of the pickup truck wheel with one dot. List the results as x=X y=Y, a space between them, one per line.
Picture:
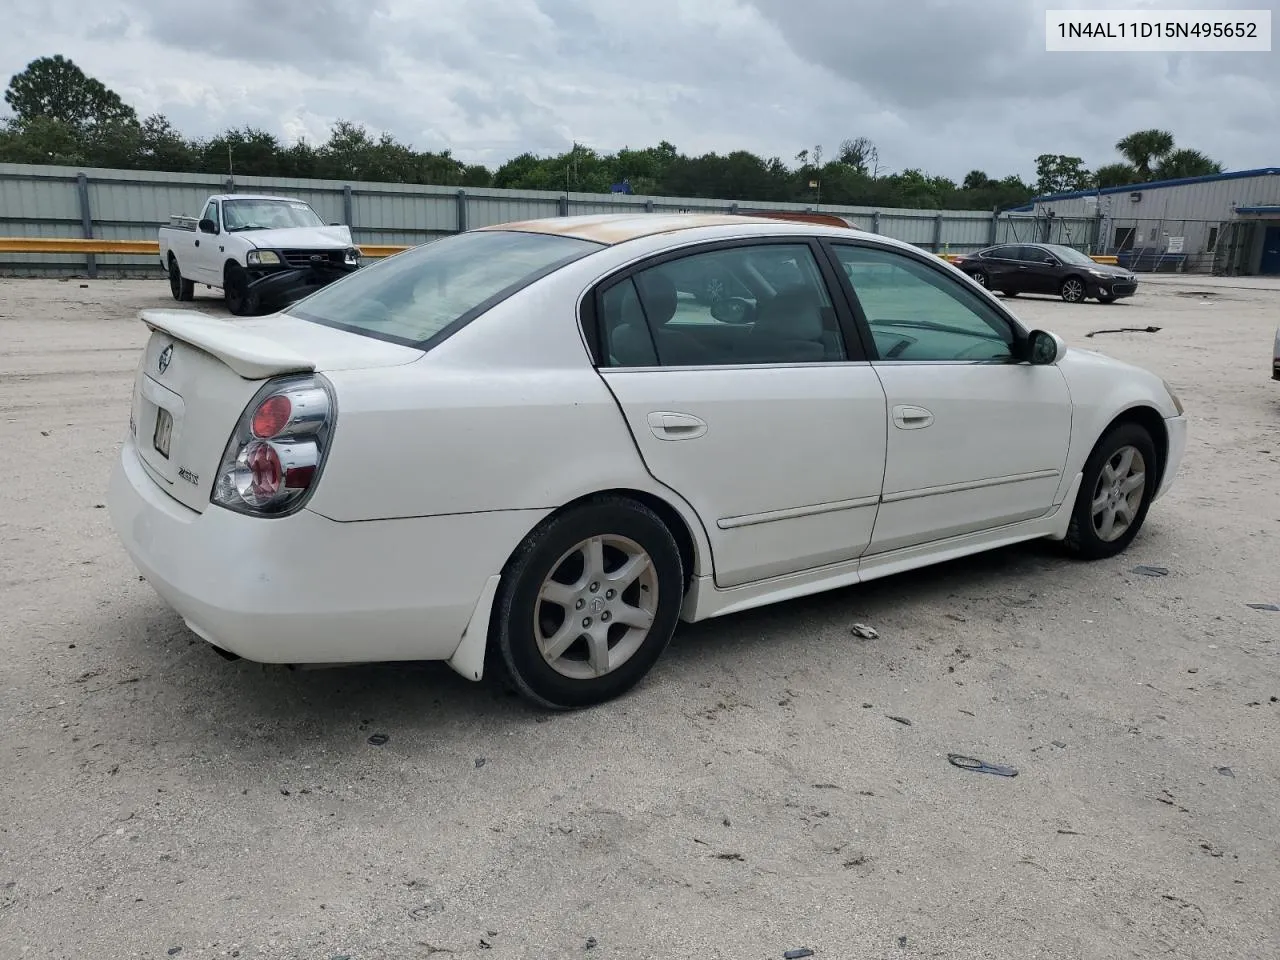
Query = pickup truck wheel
x=181 y=288
x=235 y=284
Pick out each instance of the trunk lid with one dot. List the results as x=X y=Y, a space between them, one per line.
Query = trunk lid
x=198 y=374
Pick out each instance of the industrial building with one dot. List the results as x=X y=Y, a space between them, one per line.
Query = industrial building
x=1227 y=224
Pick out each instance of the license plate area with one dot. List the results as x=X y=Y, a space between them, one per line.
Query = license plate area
x=162 y=436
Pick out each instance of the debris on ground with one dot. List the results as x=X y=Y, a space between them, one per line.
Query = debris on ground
x=1149 y=571
x=428 y=908
x=1125 y=330
x=592 y=943
x=902 y=720
x=1268 y=607
x=378 y=739
x=480 y=762
x=980 y=766
x=1227 y=772
x=797 y=954
x=865 y=632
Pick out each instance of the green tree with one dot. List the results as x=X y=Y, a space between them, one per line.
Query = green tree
x=1058 y=173
x=517 y=173
x=1185 y=163
x=1144 y=147
x=54 y=88
x=249 y=152
x=976 y=180
x=164 y=148
x=43 y=140
x=1115 y=175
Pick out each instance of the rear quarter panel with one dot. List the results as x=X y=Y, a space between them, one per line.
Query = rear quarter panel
x=508 y=414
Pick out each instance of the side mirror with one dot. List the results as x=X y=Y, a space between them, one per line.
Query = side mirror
x=208 y=226
x=733 y=310
x=1044 y=348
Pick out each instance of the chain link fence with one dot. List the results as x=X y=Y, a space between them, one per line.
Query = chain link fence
x=1153 y=245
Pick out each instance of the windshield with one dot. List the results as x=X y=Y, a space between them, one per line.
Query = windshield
x=1071 y=255
x=267 y=215
x=414 y=296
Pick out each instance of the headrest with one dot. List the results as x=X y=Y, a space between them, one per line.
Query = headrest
x=794 y=314
x=658 y=293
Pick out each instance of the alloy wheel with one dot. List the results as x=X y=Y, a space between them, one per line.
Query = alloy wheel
x=596 y=607
x=1117 y=497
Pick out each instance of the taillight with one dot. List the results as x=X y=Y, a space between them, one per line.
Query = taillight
x=274 y=457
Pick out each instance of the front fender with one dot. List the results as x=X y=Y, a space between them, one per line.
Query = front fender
x=1103 y=389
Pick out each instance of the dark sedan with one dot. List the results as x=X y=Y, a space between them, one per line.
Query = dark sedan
x=1051 y=268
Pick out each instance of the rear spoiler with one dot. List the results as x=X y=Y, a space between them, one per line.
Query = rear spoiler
x=251 y=356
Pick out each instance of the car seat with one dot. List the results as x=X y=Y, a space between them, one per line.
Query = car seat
x=789 y=328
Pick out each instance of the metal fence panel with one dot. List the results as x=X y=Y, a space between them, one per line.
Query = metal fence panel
x=44 y=201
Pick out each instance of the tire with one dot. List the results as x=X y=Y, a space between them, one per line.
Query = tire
x=980 y=278
x=1009 y=293
x=183 y=290
x=1072 y=290
x=1108 y=298
x=1088 y=536
x=235 y=285
x=553 y=558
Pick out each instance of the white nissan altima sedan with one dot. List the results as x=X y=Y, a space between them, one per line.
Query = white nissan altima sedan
x=535 y=447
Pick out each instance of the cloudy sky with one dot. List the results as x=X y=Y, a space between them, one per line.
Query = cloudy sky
x=945 y=85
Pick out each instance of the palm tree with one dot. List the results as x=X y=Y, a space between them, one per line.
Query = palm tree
x=1145 y=146
x=1115 y=175
x=1186 y=163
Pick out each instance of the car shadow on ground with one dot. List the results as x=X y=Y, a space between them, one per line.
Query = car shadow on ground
x=430 y=700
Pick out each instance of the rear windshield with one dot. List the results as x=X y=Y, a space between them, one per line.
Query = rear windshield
x=423 y=294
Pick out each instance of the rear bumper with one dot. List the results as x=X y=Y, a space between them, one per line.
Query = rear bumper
x=306 y=589
x=1176 y=428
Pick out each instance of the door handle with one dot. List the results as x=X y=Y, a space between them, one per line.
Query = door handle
x=676 y=426
x=911 y=418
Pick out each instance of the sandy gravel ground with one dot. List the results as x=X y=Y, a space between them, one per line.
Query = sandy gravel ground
x=751 y=798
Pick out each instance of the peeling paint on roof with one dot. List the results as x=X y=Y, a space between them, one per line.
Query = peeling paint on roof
x=615 y=228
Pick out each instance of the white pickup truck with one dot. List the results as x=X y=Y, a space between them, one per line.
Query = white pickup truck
x=260 y=251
